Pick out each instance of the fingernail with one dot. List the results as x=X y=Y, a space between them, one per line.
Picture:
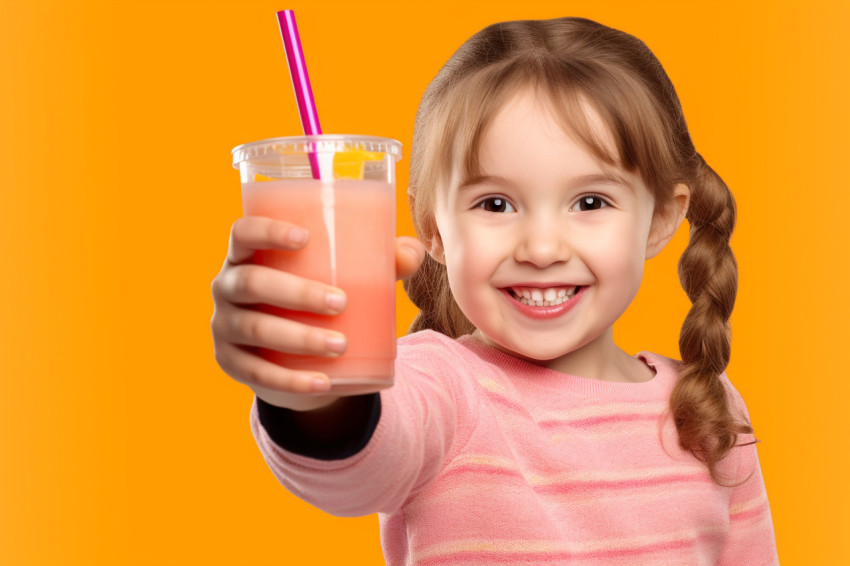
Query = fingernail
x=320 y=385
x=335 y=344
x=335 y=301
x=298 y=235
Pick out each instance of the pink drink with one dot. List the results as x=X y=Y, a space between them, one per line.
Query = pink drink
x=351 y=246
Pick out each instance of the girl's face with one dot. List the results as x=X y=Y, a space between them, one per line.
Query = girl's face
x=545 y=249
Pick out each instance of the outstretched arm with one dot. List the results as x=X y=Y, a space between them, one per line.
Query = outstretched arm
x=416 y=430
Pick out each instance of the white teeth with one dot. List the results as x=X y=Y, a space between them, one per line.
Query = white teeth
x=548 y=297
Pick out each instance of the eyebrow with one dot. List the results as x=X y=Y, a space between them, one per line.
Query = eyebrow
x=606 y=178
x=482 y=179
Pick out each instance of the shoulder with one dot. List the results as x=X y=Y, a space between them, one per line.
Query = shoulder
x=661 y=364
x=671 y=369
x=667 y=370
x=425 y=339
x=434 y=357
x=737 y=405
x=427 y=348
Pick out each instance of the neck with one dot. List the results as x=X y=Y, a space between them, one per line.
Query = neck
x=600 y=359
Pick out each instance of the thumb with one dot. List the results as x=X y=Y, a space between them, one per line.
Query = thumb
x=409 y=255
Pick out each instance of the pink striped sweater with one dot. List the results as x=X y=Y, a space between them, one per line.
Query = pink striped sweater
x=482 y=458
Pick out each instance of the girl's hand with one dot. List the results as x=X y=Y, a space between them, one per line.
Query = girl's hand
x=238 y=328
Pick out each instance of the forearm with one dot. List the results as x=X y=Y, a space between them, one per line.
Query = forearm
x=381 y=450
x=384 y=464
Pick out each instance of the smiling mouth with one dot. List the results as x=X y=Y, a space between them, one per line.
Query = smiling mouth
x=548 y=297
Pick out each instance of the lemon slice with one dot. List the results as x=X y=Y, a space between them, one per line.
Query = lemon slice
x=347 y=165
x=352 y=164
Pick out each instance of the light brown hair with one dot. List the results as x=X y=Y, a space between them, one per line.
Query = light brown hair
x=572 y=61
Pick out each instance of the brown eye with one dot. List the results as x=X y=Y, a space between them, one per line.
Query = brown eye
x=590 y=202
x=496 y=204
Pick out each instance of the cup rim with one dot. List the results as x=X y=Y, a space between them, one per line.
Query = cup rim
x=314 y=144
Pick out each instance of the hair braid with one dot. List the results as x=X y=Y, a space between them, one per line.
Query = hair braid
x=709 y=276
x=429 y=290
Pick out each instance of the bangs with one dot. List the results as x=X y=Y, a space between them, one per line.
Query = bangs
x=628 y=138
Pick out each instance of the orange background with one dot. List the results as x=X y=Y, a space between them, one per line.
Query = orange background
x=123 y=443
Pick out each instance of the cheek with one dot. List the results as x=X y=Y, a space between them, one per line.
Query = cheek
x=472 y=259
x=464 y=244
x=468 y=257
x=619 y=253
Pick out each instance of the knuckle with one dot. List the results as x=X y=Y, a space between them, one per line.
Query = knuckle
x=277 y=231
x=312 y=296
x=238 y=228
x=219 y=356
x=314 y=341
x=217 y=325
x=215 y=287
x=254 y=328
x=236 y=324
x=262 y=376
x=245 y=282
x=256 y=375
x=224 y=361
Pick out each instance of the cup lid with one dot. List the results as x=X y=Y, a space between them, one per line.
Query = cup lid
x=325 y=143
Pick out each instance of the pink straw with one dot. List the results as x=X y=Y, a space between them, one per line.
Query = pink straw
x=300 y=81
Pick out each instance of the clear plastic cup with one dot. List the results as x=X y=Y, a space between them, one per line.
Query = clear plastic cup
x=350 y=214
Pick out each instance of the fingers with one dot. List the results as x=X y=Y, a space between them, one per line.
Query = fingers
x=238 y=329
x=409 y=255
x=252 y=233
x=249 y=284
x=245 y=327
x=256 y=372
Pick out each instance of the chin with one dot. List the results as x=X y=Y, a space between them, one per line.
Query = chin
x=540 y=356
x=528 y=351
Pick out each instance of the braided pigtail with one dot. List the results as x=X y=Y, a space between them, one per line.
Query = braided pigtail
x=429 y=290
x=709 y=276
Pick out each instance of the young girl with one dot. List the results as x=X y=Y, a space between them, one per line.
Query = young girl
x=550 y=159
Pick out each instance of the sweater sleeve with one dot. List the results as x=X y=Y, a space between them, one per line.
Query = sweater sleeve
x=751 y=539
x=417 y=427
x=284 y=431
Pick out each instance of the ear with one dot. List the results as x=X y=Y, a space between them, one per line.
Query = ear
x=435 y=248
x=433 y=244
x=667 y=219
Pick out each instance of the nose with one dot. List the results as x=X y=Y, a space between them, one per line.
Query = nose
x=542 y=242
